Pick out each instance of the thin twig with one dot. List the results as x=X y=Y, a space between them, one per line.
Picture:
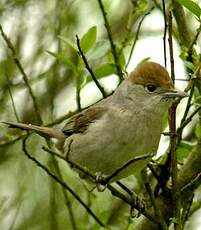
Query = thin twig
x=66 y=197
x=136 y=37
x=153 y=201
x=64 y=191
x=10 y=142
x=24 y=75
x=186 y=210
x=173 y=137
x=165 y=33
x=76 y=166
x=78 y=100
x=123 y=167
x=89 y=68
x=190 y=49
x=124 y=188
x=53 y=153
x=113 y=47
x=191 y=87
x=114 y=191
x=62 y=183
x=12 y=100
x=188 y=106
x=189 y=119
x=129 y=201
x=192 y=184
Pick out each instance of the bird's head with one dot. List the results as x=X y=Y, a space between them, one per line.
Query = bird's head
x=153 y=85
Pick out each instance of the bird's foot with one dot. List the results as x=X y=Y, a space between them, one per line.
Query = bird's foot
x=137 y=203
x=100 y=185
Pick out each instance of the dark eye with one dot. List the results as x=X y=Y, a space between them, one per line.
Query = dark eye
x=151 y=88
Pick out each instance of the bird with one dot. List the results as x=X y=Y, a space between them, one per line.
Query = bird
x=120 y=134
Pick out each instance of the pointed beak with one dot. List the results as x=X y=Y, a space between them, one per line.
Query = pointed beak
x=175 y=93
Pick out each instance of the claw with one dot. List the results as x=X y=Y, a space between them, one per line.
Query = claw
x=99 y=182
x=137 y=202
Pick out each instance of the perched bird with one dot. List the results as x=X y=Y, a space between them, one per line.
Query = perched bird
x=122 y=127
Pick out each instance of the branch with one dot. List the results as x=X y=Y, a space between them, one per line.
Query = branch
x=190 y=171
x=10 y=142
x=113 y=47
x=185 y=120
x=173 y=137
x=89 y=68
x=62 y=183
x=153 y=201
x=65 y=194
x=190 y=49
x=12 y=100
x=113 y=190
x=136 y=37
x=120 y=169
x=25 y=77
x=184 y=32
x=188 y=120
x=165 y=33
x=129 y=201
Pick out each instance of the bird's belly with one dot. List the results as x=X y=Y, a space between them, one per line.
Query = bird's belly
x=106 y=154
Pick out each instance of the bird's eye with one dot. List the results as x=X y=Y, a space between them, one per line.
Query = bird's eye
x=151 y=88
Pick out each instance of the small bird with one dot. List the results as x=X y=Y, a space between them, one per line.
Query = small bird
x=119 y=128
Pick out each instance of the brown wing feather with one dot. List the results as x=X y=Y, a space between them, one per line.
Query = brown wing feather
x=80 y=122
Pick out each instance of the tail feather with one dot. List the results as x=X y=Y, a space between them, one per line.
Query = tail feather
x=42 y=131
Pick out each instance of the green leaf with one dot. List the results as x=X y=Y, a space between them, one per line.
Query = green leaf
x=103 y=71
x=121 y=57
x=99 y=50
x=79 y=81
x=122 y=60
x=190 y=65
x=63 y=59
x=88 y=39
x=165 y=120
x=198 y=130
x=198 y=100
x=192 y=6
x=144 y=60
x=184 y=149
x=68 y=42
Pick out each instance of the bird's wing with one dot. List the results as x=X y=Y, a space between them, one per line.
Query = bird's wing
x=80 y=122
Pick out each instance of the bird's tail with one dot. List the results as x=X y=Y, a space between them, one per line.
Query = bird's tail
x=42 y=131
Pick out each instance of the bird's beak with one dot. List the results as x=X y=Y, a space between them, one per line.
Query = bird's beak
x=175 y=93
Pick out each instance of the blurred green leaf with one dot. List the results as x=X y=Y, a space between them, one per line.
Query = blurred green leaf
x=99 y=50
x=68 y=42
x=198 y=130
x=122 y=60
x=184 y=149
x=191 y=6
x=165 y=120
x=103 y=71
x=88 y=39
x=190 y=65
x=121 y=57
x=198 y=100
x=63 y=59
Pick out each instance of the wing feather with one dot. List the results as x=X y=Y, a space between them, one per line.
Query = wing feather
x=81 y=121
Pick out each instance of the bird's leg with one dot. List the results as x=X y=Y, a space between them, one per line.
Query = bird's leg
x=137 y=202
x=100 y=182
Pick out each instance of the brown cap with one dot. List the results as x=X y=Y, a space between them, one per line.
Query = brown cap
x=151 y=73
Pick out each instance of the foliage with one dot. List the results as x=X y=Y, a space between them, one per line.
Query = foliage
x=43 y=35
